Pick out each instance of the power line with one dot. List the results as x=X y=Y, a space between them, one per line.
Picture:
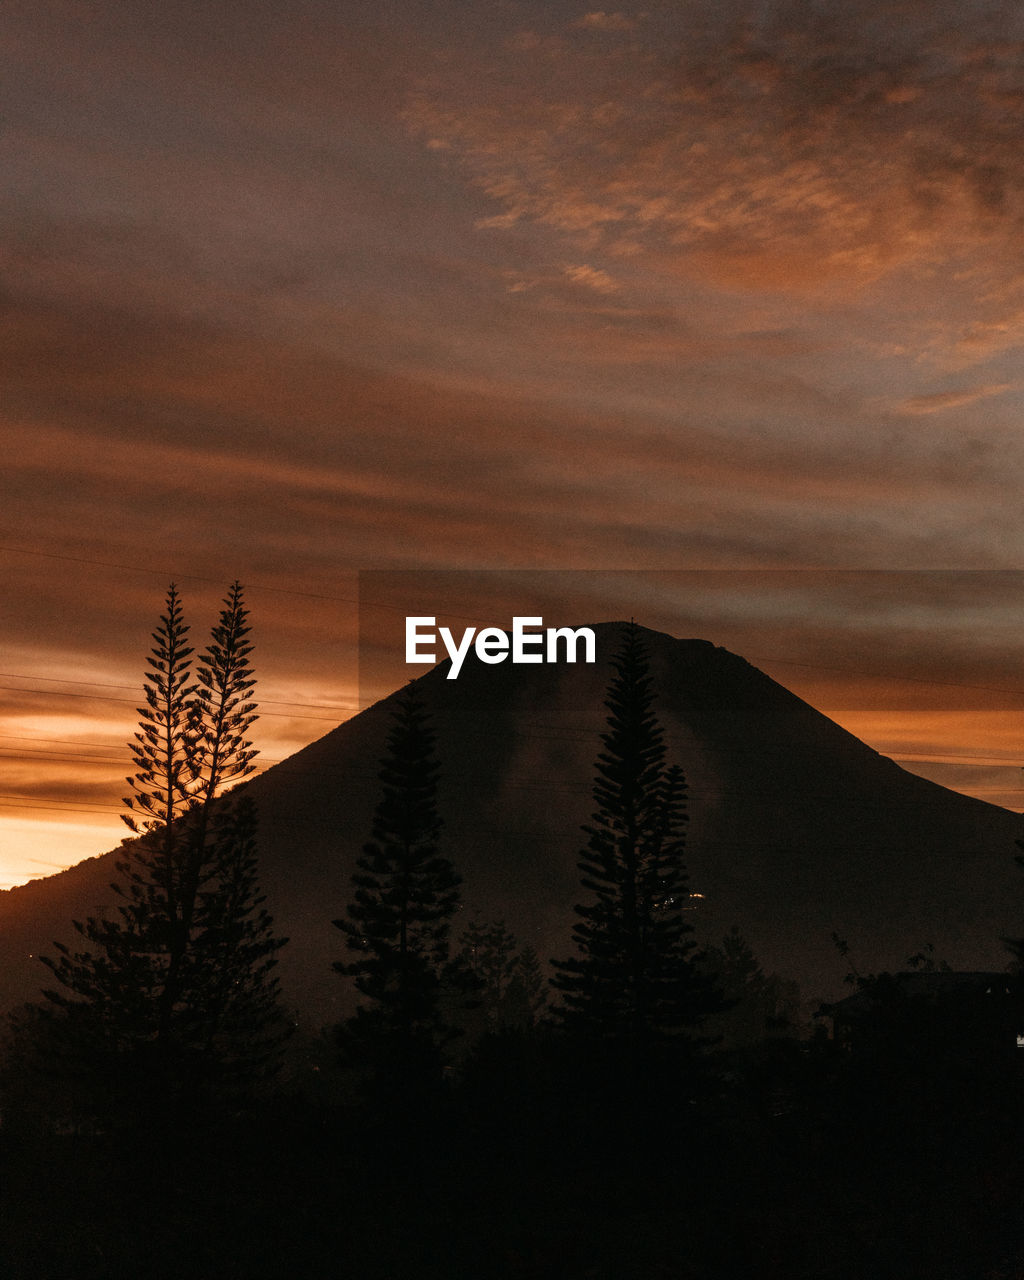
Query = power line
x=590 y=733
x=133 y=702
x=575 y=735
x=44 y=757
x=167 y=575
x=875 y=675
x=67 y=742
x=101 y=684
x=568 y=733
x=353 y=780
x=30 y=803
x=126 y=761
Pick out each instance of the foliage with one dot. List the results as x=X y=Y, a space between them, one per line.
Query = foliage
x=405 y=895
x=635 y=976
x=511 y=992
x=758 y=1005
x=174 y=995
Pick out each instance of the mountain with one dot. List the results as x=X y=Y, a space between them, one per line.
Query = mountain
x=797 y=829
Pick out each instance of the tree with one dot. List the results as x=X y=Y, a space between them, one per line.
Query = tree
x=405 y=895
x=635 y=979
x=509 y=986
x=758 y=1005
x=178 y=988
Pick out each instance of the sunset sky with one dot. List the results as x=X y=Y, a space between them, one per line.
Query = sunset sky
x=723 y=300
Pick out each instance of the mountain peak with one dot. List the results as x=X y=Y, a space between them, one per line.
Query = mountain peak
x=797 y=829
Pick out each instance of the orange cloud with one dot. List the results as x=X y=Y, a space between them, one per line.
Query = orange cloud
x=938 y=401
x=599 y=20
x=770 y=150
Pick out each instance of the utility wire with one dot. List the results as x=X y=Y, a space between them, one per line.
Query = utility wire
x=100 y=684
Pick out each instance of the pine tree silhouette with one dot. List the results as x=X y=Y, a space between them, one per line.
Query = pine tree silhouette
x=176 y=993
x=406 y=894
x=509 y=987
x=634 y=979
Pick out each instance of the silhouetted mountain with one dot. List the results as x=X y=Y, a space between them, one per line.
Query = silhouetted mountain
x=797 y=828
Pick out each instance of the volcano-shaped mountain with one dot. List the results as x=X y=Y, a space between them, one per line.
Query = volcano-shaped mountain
x=797 y=829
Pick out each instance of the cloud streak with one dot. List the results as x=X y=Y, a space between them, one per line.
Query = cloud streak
x=938 y=401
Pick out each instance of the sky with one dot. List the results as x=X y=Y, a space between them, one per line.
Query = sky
x=720 y=305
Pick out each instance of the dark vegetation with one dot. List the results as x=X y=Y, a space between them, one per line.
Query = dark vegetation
x=654 y=1111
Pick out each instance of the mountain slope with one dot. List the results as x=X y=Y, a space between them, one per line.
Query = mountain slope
x=797 y=829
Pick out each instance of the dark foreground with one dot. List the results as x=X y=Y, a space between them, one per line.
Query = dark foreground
x=785 y=1161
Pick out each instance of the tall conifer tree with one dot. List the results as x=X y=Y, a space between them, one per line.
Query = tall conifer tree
x=405 y=895
x=634 y=979
x=179 y=982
